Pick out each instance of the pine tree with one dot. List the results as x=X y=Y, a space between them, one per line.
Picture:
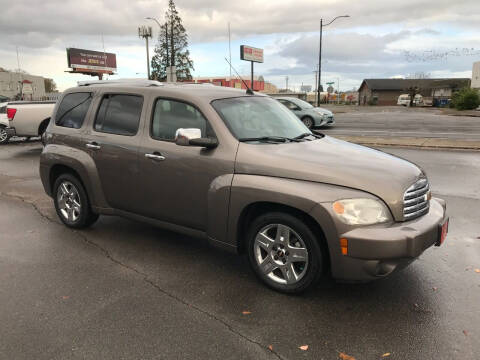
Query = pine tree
x=172 y=48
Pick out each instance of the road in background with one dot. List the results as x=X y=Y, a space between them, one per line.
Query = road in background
x=402 y=122
x=128 y=290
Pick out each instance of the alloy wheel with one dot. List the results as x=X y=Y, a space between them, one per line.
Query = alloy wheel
x=3 y=135
x=308 y=122
x=281 y=254
x=69 y=202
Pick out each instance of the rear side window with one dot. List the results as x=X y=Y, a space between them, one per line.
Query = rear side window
x=119 y=114
x=73 y=109
x=171 y=115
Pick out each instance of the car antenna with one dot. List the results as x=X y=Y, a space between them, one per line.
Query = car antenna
x=249 y=91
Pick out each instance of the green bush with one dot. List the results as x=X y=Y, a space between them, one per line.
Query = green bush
x=465 y=99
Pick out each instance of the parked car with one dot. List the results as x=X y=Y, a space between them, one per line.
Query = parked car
x=241 y=171
x=404 y=100
x=4 y=137
x=311 y=116
x=28 y=119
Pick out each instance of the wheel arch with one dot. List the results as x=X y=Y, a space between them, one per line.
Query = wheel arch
x=255 y=209
x=56 y=159
x=60 y=169
x=43 y=126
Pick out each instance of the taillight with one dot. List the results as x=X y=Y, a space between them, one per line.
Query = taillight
x=11 y=113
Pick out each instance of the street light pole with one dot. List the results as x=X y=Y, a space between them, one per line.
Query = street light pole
x=320 y=55
x=146 y=32
x=319 y=64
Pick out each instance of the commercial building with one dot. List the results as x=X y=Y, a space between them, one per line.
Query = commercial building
x=20 y=85
x=387 y=91
x=476 y=75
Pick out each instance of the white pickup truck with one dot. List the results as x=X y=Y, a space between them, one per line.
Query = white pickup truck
x=3 y=123
x=28 y=119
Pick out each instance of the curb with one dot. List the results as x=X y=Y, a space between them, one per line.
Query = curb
x=432 y=143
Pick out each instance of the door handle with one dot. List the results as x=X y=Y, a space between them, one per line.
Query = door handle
x=93 y=145
x=155 y=156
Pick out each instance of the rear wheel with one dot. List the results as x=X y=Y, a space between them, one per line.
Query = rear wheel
x=3 y=135
x=284 y=252
x=308 y=121
x=71 y=202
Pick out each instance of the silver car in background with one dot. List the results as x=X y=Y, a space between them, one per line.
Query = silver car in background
x=311 y=116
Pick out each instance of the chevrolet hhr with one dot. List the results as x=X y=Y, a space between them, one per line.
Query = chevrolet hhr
x=241 y=170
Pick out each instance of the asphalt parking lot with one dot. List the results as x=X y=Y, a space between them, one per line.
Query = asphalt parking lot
x=127 y=290
x=400 y=125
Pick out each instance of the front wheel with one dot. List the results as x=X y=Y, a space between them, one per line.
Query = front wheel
x=3 y=135
x=284 y=253
x=308 y=121
x=71 y=202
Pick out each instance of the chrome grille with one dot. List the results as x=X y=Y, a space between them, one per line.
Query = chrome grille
x=416 y=200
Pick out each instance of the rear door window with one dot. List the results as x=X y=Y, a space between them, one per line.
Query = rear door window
x=119 y=114
x=73 y=109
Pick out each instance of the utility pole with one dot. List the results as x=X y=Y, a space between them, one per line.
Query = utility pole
x=320 y=55
x=286 y=83
x=316 y=78
x=338 y=90
x=146 y=32
x=230 y=50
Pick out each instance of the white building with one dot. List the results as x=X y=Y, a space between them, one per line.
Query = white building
x=476 y=75
x=12 y=84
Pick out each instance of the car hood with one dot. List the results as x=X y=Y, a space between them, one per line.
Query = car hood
x=332 y=161
x=322 y=111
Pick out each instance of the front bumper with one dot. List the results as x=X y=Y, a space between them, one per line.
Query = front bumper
x=10 y=131
x=329 y=120
x=376 y=251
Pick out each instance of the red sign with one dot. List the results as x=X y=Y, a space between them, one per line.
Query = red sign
x=91 y=61
x=249 y=53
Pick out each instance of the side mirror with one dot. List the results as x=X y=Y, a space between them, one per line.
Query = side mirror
x=183 y=136
x=193 y=137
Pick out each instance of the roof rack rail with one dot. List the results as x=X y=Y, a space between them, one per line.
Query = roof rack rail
x=133 y=81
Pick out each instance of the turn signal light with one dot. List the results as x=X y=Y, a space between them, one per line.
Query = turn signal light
x=338 y=208
x=11 y=113
x=344 y=246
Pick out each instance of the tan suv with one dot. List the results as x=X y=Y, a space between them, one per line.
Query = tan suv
x=242 y=171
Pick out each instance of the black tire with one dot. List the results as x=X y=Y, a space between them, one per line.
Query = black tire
x=314 y=266
x=3 y=135
x=85 y=217
x=308 y=122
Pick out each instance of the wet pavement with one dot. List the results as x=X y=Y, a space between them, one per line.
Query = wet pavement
x=128 y=290
x=398 y=121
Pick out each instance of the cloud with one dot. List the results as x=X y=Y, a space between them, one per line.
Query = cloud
x=371 y=42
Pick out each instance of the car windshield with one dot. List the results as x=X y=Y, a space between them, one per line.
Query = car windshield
x=258 y=117
x=303 y=104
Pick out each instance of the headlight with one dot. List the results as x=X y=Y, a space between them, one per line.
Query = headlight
x=361 y=211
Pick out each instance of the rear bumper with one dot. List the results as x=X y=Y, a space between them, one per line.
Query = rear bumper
x=377 y=251
x=11 y=131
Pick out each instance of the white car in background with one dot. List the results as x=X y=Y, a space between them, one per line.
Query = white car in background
x=404 y=100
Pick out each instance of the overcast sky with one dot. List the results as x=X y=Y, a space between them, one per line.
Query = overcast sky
x=380 y=39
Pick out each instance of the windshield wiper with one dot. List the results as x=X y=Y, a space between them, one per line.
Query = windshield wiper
x=278 y=139
x=304 y=135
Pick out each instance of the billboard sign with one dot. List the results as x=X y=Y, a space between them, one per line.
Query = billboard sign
x=249 y=53
x=306 y=88
x=88 y=61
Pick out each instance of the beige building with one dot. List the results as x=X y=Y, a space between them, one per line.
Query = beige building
x=269 y=88
x=476 y=75
x=12 y=84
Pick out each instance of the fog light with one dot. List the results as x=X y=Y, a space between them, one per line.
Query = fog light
x=344 y=246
